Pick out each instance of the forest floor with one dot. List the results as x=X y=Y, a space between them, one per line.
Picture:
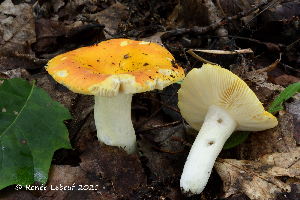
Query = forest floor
x=264 y=166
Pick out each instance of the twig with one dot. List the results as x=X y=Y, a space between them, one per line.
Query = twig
x=182 y=141
x=176 y=110
x=201 y=30
x=224 y=52
x=262 y=3
x=199 y=58
x=161 y=126
x=165 y=151
x=145 y=121
x=270 y=67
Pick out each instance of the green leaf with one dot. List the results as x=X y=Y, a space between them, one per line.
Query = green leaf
x=179 y=82
x=283 y=96
x=31 y=130
x=235 y=139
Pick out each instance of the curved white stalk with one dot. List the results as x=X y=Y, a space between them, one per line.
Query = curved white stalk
x=113 y=122
x=216 y=129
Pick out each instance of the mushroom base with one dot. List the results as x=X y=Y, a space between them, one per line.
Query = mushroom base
x=113 y=122
x=216 y=129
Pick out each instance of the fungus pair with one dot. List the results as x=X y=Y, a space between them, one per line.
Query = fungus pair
x=211 y=99
x=113 y=70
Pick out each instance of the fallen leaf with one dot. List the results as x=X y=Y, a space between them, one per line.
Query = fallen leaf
x=255 y=179
x=123 y=173
x=164 y=164
x=286 y=163
x=286 y=80
x=278 y=139
x=54 y=37
x=17 y=33
x=110 y=17
x=293 y=108
x=20 y=20
x=66 y=182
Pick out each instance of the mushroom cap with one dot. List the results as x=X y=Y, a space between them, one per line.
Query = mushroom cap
x=213 y=85
x=115 y=66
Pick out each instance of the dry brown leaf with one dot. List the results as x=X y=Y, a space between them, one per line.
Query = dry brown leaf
x=288 y=160
x=17 y=33
x=255 y=179
x=16 y=26
x=286 y=80
x=122 y=173
x=110 y=17
x=278 y=139
x=14 y=73
x=57 y=4
x=156 y=38
x=163 y=164
x=66 y=182
x=293 y=108
x=184 y=14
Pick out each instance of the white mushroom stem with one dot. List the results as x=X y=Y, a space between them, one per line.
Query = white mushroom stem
x=216 y=129
x=113 y=122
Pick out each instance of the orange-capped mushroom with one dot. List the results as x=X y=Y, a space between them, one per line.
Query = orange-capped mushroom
x=113 y=70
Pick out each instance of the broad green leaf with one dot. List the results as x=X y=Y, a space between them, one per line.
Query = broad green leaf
x=31 y=130
x=235 y=139
x=283 y=96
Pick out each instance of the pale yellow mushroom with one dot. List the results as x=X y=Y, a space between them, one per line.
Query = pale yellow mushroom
x=216 y=102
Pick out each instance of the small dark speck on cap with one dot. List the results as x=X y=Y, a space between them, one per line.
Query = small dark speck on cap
x=173 y=64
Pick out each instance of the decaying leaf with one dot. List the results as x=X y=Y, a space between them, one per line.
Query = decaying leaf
x=286 y=163
x=286 y=80
x=293 y=108
x=110 y=17
x=278 y=139
x=66 y=182
x=184 y=12
x=260 y=179
x=17 y=33
x=255 y=179
x=167 y=163
x=122 y=173
x=14 y=73
x=16 y=26
x=54 y=37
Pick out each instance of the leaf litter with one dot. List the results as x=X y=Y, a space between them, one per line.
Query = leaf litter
x=267 y=157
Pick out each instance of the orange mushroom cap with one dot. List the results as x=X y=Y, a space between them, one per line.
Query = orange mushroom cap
x=116 y=66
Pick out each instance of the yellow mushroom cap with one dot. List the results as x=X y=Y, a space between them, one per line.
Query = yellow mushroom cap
x=115 y=66
x=213 y=85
